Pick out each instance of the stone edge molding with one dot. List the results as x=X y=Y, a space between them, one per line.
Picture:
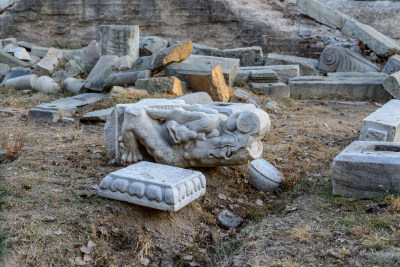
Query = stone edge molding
x=162 y=196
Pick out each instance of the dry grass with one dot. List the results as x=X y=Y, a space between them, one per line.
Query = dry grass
x=12 y=143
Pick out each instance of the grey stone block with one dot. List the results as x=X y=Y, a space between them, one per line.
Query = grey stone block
x=307 y=67
x=249 y=56
x=96 y=79
x=91 y=53
x=356 y=74
x=264 y=76
x=356 y=88
x=279 y=90
x=245 y=96
x=367 y=169
x=50 y=62
x=154 y=185
x=196 y=98
x=46 y=84
x=119 y=40
x=171 y=85
x=97 y=115
x=392 y=65
x=12 y=61
x=284 y=72
x=383 y=124
x=392 y=84
x=125 y=78
x=74 y=85
x=150 y=45
x=22 y=82
x=227 y=219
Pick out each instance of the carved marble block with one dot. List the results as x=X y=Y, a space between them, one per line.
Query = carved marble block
x=392 y=65
x=173 y=133
x=154 y=185
x=339 y=59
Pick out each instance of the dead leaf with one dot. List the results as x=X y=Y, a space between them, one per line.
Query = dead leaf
x=58 y=232
x=87 y=258
x=79 y=261
x=86 y=250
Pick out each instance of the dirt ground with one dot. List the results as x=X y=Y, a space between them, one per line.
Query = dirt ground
x=51 y=215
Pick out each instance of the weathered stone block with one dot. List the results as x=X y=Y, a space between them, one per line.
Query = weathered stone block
x=339 y=59
x=383 y=124
x=97 y=115
x=50 y=62
x=279 y=90
x=126 y=78
x=20 y=53
x=284 y=72
x=91 y=53
x=356 y=74
x=392 y=65
x=21 y=82
x=264 y=76
x=367 y=169
x=74 y=85
x=96 y=79
x=249 y=56
x=171 y=85
x=229 y=66
x=307 y=68
x=392 y=84
x=154 y=185
x=381 y=44
x=205 y=50
x=46 y=84
x=119 y=40
x=150 y=45
x=12 y=61
x=124 y=63
x=16 y=72
x=356 y=88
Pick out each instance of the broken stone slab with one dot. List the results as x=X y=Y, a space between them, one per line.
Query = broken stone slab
x=50 y=62
x=97 y=115
x=171 y=85
x=128 y=92
x=104 y=67
x=173 y=133
x=278 y=90
x=91 y=53
x=367 y=170
x=242 y=95
x=321 y=13
x=263 y=76
x=205 y=50
x=175 y=53
x=73 y=85
x=196 y=98
x=307 y=68
x=229 y=108
x=201 y=78
x=71 y=69
x=381 y=44
x=12 y=61
x=7 y=41
x=14 y=73
x=125 y=78
x=150 y=45
x=356 y=74
x=22 y=82
x=4 y=69
x=124 y=63
x=26 y=45
x=284 y=72
x=20 y=53
x=249 y=56
x=64 y=107
x=339 y=59
x=264 y=176
x=42 y=52
x=383 y=124
x=9 y=47
x=392 y=65
x=356 y=88
x=46 y=84
x=229 y=66
x=227 y=219
x=119 y=40
x=392 y=84
x=154 y=185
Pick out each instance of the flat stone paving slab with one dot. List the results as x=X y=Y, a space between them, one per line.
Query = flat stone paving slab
x=383 y=124
x=101 y=115
x=367 y=169
x=154 y=185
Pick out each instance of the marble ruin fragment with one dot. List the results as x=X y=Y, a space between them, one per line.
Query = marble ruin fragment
x=174 y=133
x=154 y=185
x=119 y=40
x=392 y=65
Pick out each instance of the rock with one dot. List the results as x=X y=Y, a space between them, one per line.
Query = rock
x=46 y=84
x=64 y=107
x=339 y=59
x=50 y=62
x=104 y=67
x=202 y=78
x=74 y=85
x=71 y=69
x=356 y=88
x=91 y=53
x=182 y=135
x=12 y=61
x=204 y=50
x=20 y=53
x=264 y=176
x=120 y=91
x=126 y=78
x=242 y=95
x=392 y=65
x=119 y=40
x=26 y=45
x=249 y=56
x=278 y=90
x=196 y=98
x=228 y=219
x=9 y=47
x=3 y=154
x=383 y=124
x=16 y=72
x=97 y=115
x=4 y=70
x=176 y=53
x=229 y=66
x=263 y=76
x=171 y=85
x=150 y=45
x=154 y=185
x=22 y=82
x=321 y=13
x=124 y=63
x=271 y=105
x=7 y=41
x=306 y=66
x=284 y=72
x=392 y=84
x=381 y=44
x=367 y=170
x=356 y=74
x=305 y=32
